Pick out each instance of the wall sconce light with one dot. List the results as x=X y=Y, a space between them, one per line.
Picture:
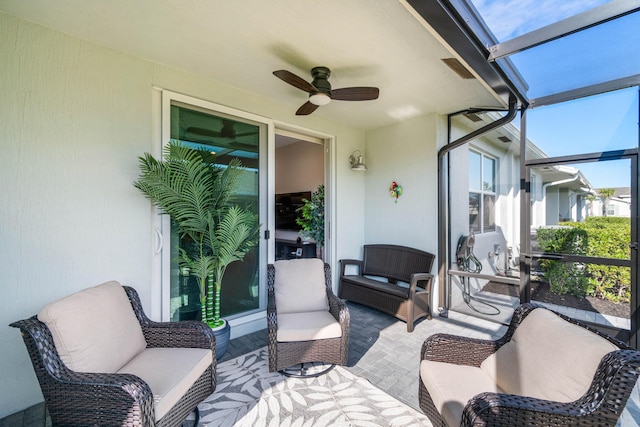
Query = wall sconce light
x=357 y=161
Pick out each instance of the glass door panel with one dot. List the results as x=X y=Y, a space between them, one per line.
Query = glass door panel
x=228 y=137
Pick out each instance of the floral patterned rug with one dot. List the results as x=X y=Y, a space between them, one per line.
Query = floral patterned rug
x=248 y=395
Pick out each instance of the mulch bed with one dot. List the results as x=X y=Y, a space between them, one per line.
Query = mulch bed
x=540 y=291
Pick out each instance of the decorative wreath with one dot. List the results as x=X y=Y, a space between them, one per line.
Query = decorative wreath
x=395 y=190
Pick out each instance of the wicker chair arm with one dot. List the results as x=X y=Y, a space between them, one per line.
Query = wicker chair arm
x=456 y=349
x=344 y=262
x=499 y=409
x=423 y=280
x=339 y=310
x=272 y=317
x=183 y=334
x=602 y=404
x=96 y=397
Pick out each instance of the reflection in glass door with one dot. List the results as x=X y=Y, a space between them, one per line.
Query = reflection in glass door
x=228 y=138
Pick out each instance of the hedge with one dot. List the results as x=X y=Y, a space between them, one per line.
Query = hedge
x=607 y=237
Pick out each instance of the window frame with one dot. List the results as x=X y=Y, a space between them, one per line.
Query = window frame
x=483 y=192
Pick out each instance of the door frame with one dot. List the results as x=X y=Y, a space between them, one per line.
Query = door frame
x=162 y=225
x=329 y=142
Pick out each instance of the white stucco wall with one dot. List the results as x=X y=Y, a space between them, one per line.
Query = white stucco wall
x=405 y=153
x=507 y=208
x=74 y=117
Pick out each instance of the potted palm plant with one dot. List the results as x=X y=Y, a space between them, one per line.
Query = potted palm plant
x=196 y=193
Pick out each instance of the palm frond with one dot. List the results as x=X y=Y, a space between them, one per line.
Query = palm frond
x=197 y=193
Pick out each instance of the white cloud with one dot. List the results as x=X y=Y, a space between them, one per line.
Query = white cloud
x=511 y=18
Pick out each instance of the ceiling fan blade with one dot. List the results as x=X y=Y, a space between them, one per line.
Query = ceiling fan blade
x=246 y=134
x=361 y=93
x=202 y=131
x=306 y=108
x=293 y=80
x=244 y=146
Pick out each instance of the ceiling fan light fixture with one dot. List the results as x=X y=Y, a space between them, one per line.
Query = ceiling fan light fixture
x=319 y=99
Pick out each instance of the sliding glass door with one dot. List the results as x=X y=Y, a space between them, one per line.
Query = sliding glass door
x=204 y=126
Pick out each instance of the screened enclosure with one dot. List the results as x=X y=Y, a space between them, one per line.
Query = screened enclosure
x=551 y=186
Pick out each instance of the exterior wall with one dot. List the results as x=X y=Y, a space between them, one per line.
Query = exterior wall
x=552 y=203
x=405 y=153
x=622 y=208
x=74 y=117
x=507 y=208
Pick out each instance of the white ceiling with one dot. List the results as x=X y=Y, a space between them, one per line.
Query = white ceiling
x=241 y=42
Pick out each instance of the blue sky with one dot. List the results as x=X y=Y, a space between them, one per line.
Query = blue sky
x=600 y=123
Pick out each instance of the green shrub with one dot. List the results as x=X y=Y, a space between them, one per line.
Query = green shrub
x=606 y=237
x=609 y=237
x=564 y=277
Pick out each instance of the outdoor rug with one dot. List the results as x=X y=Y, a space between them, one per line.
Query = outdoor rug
x=248 y=395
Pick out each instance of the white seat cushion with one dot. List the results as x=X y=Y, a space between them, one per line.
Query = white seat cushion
x=547 y=358
x=94 y=330
x=299 y=286
x=451 y=386
x=314 y=325
x=169 y=372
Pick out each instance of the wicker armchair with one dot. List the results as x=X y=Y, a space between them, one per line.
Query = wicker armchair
x=601 y=405
x=76 y=398
x=331 y=348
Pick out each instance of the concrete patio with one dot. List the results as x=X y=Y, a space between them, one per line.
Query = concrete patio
x=380 y=350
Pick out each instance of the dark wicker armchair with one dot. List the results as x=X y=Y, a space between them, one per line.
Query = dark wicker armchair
x=601 y=405
x=88 y=398
x=331 y=350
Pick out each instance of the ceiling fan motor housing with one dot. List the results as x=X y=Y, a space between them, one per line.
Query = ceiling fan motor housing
x=321 y=79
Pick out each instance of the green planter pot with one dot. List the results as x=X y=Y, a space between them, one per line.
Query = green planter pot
x=223 y=335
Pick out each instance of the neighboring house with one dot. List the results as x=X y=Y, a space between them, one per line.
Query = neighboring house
x=485 y=177
x=559 y=194
x=618 y=205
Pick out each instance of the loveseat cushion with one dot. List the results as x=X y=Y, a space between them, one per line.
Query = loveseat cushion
x=169 y=372
x=94 y=330
x=300 y=286
x=452 y=386
x=313 y=325
x=547 y=358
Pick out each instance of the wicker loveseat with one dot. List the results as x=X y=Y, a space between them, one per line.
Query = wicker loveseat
x=547 y=370
x=101 y=362
x=394 y=264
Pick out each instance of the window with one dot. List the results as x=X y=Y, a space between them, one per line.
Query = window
x=482 y=192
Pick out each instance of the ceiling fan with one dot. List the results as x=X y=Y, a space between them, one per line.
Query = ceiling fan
x=320 y=92
x=226 y=135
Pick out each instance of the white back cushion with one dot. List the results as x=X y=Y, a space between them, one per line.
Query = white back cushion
x=300 y=286
x=547 y=358
x=94 y=330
